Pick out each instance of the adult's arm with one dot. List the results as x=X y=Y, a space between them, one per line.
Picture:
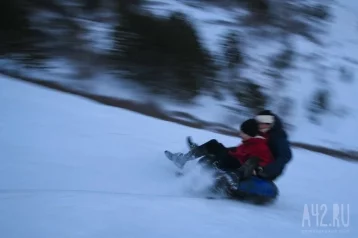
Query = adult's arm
x=282 y=157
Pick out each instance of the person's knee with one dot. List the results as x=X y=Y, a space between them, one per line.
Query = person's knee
x=215 y=145
x=213 y=141
x=267 y=176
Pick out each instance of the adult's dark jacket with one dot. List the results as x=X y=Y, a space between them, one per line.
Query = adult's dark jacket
x=280 y=147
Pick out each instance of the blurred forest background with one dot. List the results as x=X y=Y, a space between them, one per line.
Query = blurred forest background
x=166 y=54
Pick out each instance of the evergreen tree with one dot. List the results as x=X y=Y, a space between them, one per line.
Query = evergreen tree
x=232 y=54
x=163 y=54
x=19 y=40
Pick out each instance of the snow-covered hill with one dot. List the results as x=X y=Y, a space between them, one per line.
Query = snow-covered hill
x=338 y=51
x=73 y=168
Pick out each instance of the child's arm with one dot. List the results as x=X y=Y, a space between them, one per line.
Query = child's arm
x=264 y=155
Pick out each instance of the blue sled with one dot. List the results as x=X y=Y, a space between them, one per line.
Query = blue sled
x=256 y=190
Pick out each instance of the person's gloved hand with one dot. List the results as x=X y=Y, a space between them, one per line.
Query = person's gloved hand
x=257 y=171
x=248 y=168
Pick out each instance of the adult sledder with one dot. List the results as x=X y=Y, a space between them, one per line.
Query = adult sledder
x=234 y=167
x=271 y=128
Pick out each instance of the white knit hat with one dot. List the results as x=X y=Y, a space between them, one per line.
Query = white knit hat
x=269 y=119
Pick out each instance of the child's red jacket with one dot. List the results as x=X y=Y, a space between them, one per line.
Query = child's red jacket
x=253 y=147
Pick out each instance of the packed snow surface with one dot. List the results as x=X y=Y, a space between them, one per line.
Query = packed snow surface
x=70 y=167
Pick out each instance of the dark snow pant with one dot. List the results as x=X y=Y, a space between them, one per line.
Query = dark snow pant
x=218 y=154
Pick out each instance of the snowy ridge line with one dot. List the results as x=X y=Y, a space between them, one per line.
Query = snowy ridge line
x=147 y=109
x=156 y=112
x=343 y=154
x=97 y=192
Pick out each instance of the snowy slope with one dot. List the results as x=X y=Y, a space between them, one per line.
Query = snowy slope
x=73 y=168
x=338 y=50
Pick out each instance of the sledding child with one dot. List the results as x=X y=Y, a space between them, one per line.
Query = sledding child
x=241 y=161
